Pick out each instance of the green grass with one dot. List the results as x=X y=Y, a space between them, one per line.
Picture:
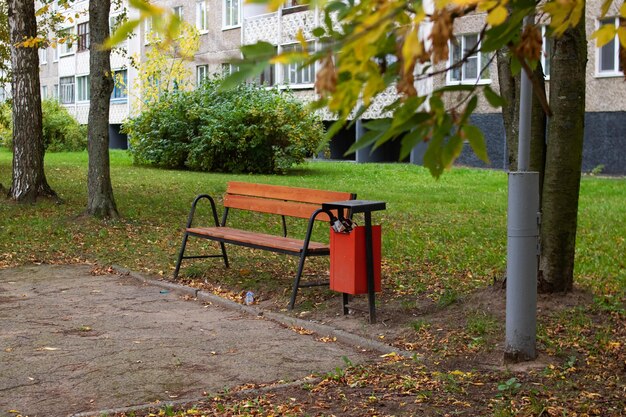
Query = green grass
x=438 y=235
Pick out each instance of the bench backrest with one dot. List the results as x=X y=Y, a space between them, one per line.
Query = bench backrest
x=279 y=199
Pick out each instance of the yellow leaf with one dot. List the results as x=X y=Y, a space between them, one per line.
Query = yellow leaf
x=604 y=35
x=497 y=16
x=622 y=10
x=273 y=5
x=389 y=355
x=300 y=38
x=411 y=48
x=465 y=2
x=621 y=34
x=605 y=7
x=42 y=10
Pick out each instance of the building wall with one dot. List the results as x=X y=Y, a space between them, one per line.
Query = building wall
x=605 y=119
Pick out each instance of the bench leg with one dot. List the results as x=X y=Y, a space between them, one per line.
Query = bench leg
x=180 y=255
x=224 y=254
x=296 y=282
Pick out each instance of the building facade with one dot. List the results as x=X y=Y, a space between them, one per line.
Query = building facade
x=225 y=25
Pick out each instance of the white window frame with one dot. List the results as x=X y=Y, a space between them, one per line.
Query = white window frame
x=304 y=77
x=82 y=38
x=231 y=14
x=83 y=88
x=202 y=18
x=481 y=78
x=202 y=72
x=55 y=92
x=123 y=90
x=67 y=90
x=147 y=30
x=55 y=53
x=43 y=56
x=178 y=11
x=615 y=72
x=68 y=47
x=546 y=60
x=44 y=92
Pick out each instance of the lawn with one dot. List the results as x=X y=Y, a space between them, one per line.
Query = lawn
x=444 y=252
x=452 y=230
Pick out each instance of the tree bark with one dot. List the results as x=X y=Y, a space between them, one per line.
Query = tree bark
x=563 y=160
x=509 y=90
x=29 y=181
x=100 y=201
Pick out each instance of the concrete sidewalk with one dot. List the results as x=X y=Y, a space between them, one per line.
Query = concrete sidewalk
x=72 y=342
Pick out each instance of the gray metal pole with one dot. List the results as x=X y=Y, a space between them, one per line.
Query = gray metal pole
x=522 y=241
x=525 y=108
x=521 y=271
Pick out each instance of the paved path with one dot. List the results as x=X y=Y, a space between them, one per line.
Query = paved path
x=72 y=342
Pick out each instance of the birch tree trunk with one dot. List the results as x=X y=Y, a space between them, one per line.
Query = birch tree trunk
x=100 y=201
x=28 y=181
x=563 y=160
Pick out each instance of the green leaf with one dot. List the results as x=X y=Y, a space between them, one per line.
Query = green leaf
x=410 y=141
x=260 y=50
x=492 y=97
x=516 y=66
x=141 y=5
x=318 y=32
x=469 y=109
x=451 y=150
x=378 y=125
x=367 y=139
x=121 y=33
x=476 y=140
x=432 y=157
x=245 y=72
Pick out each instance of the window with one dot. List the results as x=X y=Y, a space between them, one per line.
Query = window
x=120 y=81
x=66 y=43
x=178 y=12
x=546 y=52
x=83 y=37
x=231 y=13
x=608 y=60
x=147 y=27
x=201 y=16
x=43 y=56
x=294 y=73
x=475 y=68
x=83 y=92
x=55 y=53
x=44 y=92
x=114 y=23
x=55 y=92
x=201 y=74
x=66 y=90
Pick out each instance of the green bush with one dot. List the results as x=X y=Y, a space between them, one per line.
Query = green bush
x=61 y=132
x=248 y=129
x=5 y=124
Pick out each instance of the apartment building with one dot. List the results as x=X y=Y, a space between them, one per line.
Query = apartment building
x=605 y=119
x=225 y=25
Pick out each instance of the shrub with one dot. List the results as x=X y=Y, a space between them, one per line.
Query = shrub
x=61 y=132
x=248 y=129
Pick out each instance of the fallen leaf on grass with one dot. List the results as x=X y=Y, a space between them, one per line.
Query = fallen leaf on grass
x=47 y=348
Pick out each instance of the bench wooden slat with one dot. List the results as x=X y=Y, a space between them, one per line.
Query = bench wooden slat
x=260 y=239
x=264 y=205
x=280 y=192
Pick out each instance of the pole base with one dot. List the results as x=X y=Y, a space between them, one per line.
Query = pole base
x=516 y=356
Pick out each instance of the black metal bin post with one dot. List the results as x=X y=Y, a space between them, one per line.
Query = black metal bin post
x=366 y=207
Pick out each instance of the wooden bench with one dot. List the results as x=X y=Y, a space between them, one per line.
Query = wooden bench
x=273 y=199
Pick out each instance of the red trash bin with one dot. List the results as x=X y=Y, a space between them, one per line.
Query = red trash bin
x=348 y=273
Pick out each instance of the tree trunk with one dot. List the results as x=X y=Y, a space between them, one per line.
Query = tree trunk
x=100 y=201
x=563 y=160
x=509 y=90
x=29 y=181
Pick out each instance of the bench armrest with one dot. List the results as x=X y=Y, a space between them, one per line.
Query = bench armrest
x=309 y=229
x=193 y=209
